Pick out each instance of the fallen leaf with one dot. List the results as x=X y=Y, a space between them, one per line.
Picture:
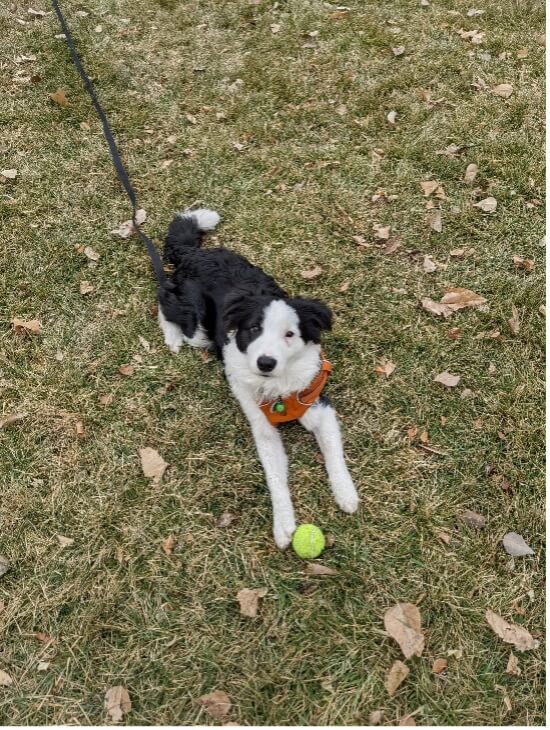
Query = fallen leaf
x=391 y=117
x=514 y=320
x=403 y=623
x=451 y=151
x=80 y=430
x=512 y=667
x=436 y=307
x=59 y=97
x=385 y=367
x=91 y=254
x=86 y=287
x=117 y=702
x=37 y=13
x=522 y=53
x=168 y=544
x=447 y=379
x=216 y=703
x=474 y=36
x=473 y=12
x=4 y=565
x=457 y=653
x=275 y=27
x=396 y=675
x=381 y=232
x=398 y=50
x=429 y=187
x=487 y=205
x=428 y=265
x=503 y=90
x=312 y=273
x=424 y=437
x=65 y=541
x=444 y=537
x=127 y=228
x=341 y=109
x=435 y=220
x=471 y=172
x=472 y=519
x=459 y=298
x=152 y=464
x=248 y=600
x=318 y=569
x=191 y=119
x=375 y=718
x=344 y=287
x=10 y=419
x=521 y=263
x=225 y=519
x=21 y=326
x=9 y=174
x=43 y=666
x=5 y=679
x=515 y=545
x=126 y=370
x=439 y=665
x=511 y=633
x=106 y=399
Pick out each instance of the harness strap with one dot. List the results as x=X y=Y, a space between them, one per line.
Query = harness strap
x=154 y=255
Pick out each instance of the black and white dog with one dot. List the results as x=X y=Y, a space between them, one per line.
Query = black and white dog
x=269 y=344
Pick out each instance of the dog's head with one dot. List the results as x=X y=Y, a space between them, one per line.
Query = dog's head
x=273 y=332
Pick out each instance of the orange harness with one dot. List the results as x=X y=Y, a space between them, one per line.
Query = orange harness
x=281 y=410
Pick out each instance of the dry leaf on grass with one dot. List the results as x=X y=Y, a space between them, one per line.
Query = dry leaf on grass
x=248 y=600
x=226 y=519
x=472 y=519
x=65 y=541
x=168 y=544
x=86 y=287
x=447 y=379
x=318 y=569
x=117 y=702
x=403 y=623
x=397 y=674
x=9 y=174
x=440 y=310
x=375 y=718
x=430 y=186
x=275 y=27
x=515 y=545
x=127 y=228
x=439 y=665
x=514 y=320
x=80 y=430
x=152 y=464
x=487 y=205
x=382 y=233
x=503 y=90
x=10 y=419
x=126 y=370
x=398 y=50
x=216 y=703
x=511 y=633
x=5 y=679
x=312 y=273
x=474 y=36
x=512 y=667
x=385 y=367
x=521 y=263
x=429 y=265
x=21 y=326
x=391 y=117
x=4 y=565
x=435 y=220
x=89 y=252
x=59 y=97
x=471 y=172
x=459 y=298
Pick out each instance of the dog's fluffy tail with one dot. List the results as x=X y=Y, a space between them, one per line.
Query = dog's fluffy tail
x=186 y=231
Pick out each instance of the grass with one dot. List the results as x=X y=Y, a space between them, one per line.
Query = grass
x=168 y=627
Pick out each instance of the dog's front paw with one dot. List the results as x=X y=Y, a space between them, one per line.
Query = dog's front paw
x=283 y=530
x=346 y=495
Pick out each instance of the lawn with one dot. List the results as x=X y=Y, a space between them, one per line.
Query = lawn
x=275 y=114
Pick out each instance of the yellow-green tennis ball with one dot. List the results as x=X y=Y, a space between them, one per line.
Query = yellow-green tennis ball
x=308 y=541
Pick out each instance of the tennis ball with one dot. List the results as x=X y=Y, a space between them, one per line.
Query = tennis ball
x=308 y=541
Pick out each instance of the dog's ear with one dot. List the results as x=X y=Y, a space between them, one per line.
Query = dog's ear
x=238 y=305
x=314 y=317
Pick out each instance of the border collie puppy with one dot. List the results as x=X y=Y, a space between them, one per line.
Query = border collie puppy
x=269 y=345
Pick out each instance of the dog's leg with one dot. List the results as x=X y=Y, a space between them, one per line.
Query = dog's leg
x=173 y=335
x=273 y=457
x=322 y=421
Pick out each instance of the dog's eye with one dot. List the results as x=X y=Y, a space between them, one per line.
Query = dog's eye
x=255 y=328
x=290 y=333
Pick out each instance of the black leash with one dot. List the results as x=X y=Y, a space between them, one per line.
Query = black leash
x=156 y=260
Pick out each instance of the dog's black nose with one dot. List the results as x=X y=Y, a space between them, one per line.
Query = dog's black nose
x=266 y=364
